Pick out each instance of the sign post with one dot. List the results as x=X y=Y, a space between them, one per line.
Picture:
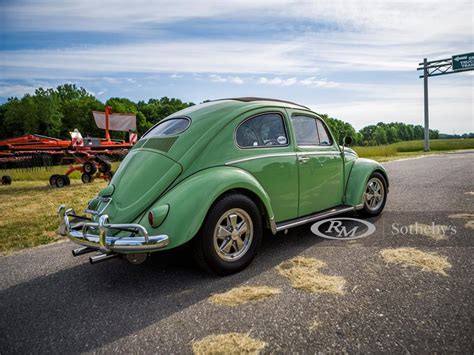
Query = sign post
x=456 y=64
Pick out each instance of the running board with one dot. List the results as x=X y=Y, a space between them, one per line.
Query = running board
x=314 y=217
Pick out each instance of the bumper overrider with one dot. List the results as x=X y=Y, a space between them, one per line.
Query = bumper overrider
x=98 y=236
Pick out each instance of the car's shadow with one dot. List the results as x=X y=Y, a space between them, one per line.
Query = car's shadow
x=84 y=307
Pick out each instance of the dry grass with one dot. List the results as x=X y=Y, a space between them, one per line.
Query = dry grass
x=243 y=294
x=313 y=325
x=303 y=273
x=413 y=257
x=230 y=343
x=435 y=232
x=462 y=216
x=469 y=225
x=28 y=215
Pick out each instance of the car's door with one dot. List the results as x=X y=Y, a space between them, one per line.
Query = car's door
x=320 y=169
x=263 y=143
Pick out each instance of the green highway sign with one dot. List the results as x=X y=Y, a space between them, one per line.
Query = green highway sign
x=463 y=61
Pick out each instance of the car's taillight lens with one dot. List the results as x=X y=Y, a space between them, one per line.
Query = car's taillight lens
x=150 y=218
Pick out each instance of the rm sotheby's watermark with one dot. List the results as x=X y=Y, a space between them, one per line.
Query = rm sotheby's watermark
x=346 y=228
x=343 y=228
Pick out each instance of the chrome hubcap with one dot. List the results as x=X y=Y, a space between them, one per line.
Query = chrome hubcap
x=233 y=234
x=374 y=194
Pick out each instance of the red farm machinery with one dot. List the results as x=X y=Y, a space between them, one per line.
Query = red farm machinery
x=90 y=156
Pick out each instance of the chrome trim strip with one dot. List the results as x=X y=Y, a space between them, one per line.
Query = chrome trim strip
x=107 y=201
x=320 y=153
x=261 y=157
x=138 y=241
x=312 y=218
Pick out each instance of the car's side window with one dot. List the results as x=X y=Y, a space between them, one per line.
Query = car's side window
x=324 y=136
x=262 y=131
x=305 y=130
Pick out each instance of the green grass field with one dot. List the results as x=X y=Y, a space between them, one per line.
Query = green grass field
x=412 y=148
x=28 y=215
x=43 y=174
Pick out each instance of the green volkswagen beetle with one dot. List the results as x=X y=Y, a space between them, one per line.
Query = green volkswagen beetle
x=215 y=175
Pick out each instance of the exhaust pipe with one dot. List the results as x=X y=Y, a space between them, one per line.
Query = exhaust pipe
x=81 y=251
x=102 y=257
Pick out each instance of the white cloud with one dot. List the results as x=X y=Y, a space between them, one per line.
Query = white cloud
x=451 y=106
x=208 y=56
x=217 y=78
x=235 y=80
x=414 y=19
x=229 y=79
x=375 y=42
x=277 y=81
x=311 y=81
x=16 y=90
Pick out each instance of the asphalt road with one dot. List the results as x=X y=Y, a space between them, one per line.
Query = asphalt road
x=51 y=302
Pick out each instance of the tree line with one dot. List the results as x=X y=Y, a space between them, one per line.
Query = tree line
x=55 y=112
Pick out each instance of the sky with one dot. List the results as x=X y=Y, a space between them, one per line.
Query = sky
x=354 y=60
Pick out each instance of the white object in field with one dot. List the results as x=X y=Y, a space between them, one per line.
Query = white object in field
x=132 y=137
x=117 y=121
x=77 y=140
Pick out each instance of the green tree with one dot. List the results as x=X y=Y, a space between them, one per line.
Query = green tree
x=380 y=136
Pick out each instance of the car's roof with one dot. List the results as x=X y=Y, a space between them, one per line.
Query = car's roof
x=221 y=107
x=264 y=99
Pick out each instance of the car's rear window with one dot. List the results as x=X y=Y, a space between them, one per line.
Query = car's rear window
x=169 y=127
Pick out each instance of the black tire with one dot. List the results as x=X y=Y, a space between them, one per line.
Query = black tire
x=371 y=212
x=105 y=167
x=52 y=180
x=86 y=178
x=204 y=249
x=62 y=181
x=6 y=180
x=90 y=167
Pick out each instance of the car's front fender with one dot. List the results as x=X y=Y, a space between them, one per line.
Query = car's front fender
x=190 y=200
x=360 y=173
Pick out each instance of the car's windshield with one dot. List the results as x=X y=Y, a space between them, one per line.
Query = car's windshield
x=169 y=127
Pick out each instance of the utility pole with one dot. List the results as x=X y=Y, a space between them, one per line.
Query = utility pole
x=427 y=120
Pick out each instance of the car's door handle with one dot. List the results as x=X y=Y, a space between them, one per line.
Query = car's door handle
x=303 y=159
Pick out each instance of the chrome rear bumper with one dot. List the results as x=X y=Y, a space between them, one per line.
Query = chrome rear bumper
x=78 y=228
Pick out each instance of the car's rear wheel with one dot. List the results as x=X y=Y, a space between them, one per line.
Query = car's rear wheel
x=375 y=195
x=230 y=236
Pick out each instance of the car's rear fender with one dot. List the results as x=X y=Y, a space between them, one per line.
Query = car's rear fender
x=358 y=177
x=190 y=201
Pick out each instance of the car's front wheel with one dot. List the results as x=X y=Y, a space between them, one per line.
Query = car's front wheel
x=230 y=236
x=375 y=195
